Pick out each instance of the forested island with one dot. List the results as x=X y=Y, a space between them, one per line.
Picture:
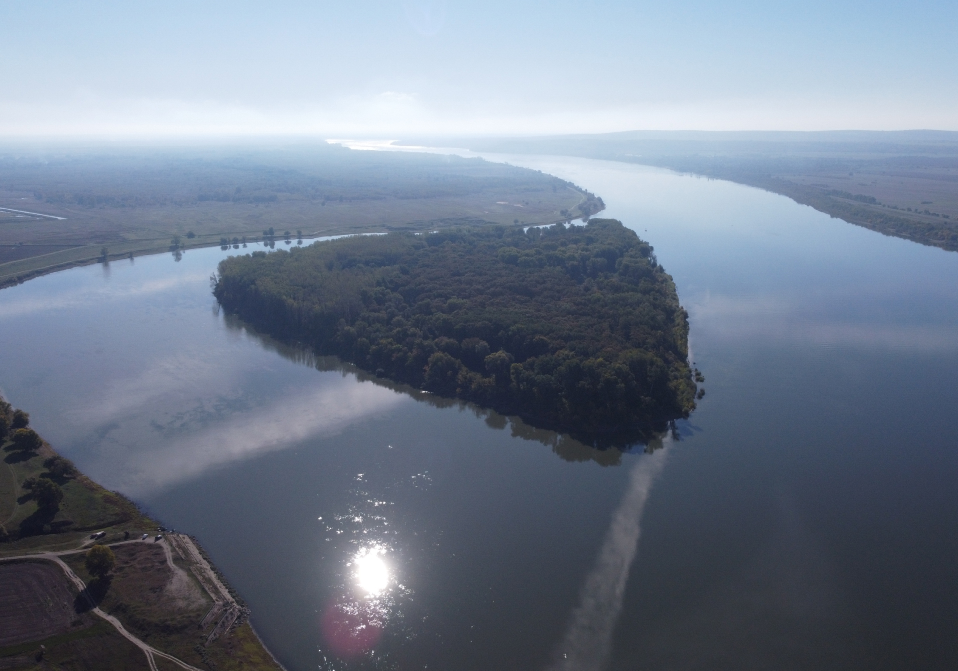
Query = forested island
x=576 y=328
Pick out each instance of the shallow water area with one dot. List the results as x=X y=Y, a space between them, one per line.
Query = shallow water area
x=805 y=517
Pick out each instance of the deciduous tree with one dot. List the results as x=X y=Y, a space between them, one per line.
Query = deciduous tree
x=60 y=468
x=47 y=494
x=21 y=419
x=27 y=440
x=100 y=560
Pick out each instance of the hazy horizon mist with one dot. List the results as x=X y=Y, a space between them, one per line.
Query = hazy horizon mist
x=393 y=68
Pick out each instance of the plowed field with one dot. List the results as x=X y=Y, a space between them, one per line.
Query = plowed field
x=36 y=601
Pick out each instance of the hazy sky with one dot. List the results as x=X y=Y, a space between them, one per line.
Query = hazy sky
x=391 y=68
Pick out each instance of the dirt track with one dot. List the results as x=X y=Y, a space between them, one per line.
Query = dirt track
x=35 y=602
x=148 y=650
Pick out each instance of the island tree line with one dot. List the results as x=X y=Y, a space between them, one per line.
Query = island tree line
x=571 y=327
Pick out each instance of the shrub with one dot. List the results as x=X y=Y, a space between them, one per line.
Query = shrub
x=21 y=419
x=26 y=440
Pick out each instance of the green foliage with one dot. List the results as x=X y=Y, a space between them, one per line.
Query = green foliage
x=861 y=198
x=100 y=560
x=20 y=419
x=60 y=468
x=26 y=440
x=47 y=494
x=576 y=328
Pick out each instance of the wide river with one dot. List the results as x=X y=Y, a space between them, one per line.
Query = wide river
x=806 y=516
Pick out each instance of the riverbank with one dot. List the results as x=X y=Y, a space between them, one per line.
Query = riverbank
x=65 y=211
x=903 y=183
x=819 y=463
x=163 y=596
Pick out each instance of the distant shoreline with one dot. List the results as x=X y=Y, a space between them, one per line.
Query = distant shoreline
x=899 y=183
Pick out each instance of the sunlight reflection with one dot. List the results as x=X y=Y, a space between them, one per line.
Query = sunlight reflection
x=372 y=573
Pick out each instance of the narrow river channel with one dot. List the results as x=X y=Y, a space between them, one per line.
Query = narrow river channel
x=805 y=516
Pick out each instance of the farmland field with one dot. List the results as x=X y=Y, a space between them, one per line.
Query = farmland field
x=78 y=205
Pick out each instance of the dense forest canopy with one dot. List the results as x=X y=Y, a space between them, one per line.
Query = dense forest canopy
x=571 y=327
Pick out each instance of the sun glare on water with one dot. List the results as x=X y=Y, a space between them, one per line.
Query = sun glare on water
x=372 y=573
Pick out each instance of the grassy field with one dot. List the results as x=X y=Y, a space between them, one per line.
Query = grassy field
x=90 y=645
x=161 y=594
x=903 y=183
x=38 y=608
x=165 y=607
x=73 y=201
x=86 y=507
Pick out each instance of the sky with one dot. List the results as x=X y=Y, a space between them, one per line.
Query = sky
x=412 y=68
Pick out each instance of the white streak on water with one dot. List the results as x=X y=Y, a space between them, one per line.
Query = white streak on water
x=588 y=638
x=289 y=421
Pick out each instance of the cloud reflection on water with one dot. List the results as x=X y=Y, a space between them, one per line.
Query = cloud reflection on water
x=178 y=373
x=767 y=319
x=89 y=295
x=279 y=425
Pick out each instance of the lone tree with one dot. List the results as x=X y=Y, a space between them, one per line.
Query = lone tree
x=47 y=494
x=100 y=560
x=26 y=440
x=60 y=468
x=20 y=419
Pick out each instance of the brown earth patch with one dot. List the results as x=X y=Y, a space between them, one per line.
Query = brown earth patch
x=36 y=601
x=153 y=601
x=143 y=575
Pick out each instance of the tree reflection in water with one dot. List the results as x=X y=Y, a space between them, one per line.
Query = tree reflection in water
x=605 y=449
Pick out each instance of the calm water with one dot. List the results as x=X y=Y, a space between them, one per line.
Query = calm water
x=807 y=517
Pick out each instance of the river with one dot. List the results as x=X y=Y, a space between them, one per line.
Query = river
x=805 y=516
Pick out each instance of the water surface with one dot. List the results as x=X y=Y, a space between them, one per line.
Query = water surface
x=805 y=517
